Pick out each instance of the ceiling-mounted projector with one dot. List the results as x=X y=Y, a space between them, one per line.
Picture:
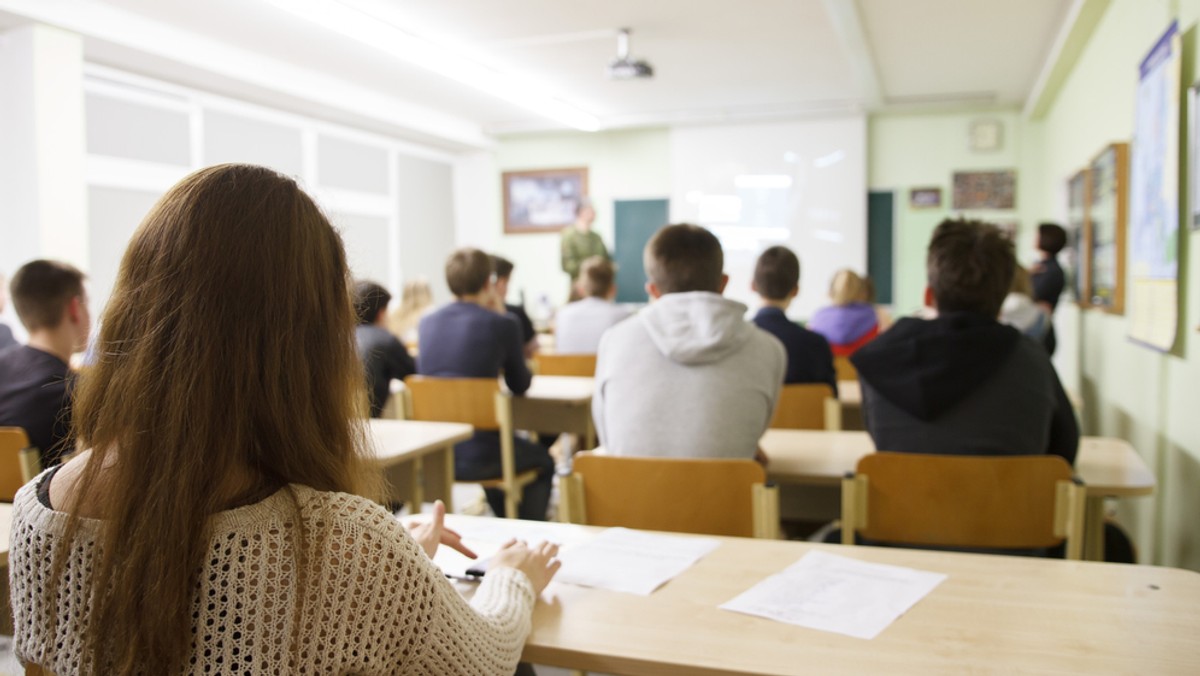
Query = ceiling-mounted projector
x=625 y=68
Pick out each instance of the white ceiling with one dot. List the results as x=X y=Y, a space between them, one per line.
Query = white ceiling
x=713 y=59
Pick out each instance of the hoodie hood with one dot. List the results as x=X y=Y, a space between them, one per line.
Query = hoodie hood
x=696 y=327
x=926 y=366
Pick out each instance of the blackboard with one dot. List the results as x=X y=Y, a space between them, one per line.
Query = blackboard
x=634 y=222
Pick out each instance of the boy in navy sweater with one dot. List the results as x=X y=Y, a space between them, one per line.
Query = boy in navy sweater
x=466 y=339
x=777 y=282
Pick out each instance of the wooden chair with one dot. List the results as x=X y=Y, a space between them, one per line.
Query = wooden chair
x=986 y=502
x=478 y=402
x=684 y=495
x=844 y=369
x=807 y=407
x=19 y=462
x=567 y=365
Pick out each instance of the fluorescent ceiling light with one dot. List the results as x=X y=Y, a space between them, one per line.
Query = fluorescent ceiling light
x=377 y=25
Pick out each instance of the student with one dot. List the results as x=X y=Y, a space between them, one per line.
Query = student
x=579 y=243
x=579 y=325
x=217 y=523
x=6 y=334
x=777 y=282
x=503 y=268
x=963 y=383
x=467 y=339
x=687 y=376
x=383 y=355
x=1048 y=278
x=36 y=383
x=415 y=300
x=852 y=320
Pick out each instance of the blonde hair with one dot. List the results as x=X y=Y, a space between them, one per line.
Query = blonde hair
x=848 y=287
x=227 y=347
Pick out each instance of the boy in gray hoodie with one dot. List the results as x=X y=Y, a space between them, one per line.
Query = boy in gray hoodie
x=687 y=377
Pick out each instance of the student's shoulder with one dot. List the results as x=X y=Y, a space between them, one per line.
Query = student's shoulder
x=345 y=510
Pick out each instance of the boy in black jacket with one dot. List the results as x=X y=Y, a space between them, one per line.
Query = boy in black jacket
x=963 y=383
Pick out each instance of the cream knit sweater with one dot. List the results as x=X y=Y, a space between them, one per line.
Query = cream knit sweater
x=373 y=602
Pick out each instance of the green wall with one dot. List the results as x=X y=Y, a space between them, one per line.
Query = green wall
x=1130 y=392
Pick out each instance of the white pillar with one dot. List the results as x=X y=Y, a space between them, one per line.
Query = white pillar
x=43 y=189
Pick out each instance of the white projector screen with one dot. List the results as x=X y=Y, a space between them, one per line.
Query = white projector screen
x=801 y=184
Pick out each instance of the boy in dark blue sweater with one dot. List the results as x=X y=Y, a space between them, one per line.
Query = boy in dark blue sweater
x=466 y=339
x=777 y=282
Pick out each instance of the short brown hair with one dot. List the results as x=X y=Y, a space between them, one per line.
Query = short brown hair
x=684 y=257
x=970 y=267
x=468 y=271
x=777 y=273
x=502 y=267
x=596 y=276
x=41 y=290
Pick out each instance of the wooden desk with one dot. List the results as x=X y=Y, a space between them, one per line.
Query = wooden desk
x=992 y=615
x=401 y=447
x=1110 y=468
x=561 y=404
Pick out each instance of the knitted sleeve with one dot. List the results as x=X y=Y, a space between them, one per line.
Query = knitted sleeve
x=413 y=621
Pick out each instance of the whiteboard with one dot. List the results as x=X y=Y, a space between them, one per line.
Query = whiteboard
x=802 y=184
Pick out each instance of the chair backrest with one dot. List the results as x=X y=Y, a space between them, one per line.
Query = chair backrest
x=1006 y=502
x=844 y=368
x=566 y=365
x=466 y=400
x=714 y=497
x=809 y=406
x=19 y=462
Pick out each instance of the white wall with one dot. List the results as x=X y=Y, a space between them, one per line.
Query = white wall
x=385 y=196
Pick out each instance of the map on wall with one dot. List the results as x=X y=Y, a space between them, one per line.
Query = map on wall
x=1154 y=208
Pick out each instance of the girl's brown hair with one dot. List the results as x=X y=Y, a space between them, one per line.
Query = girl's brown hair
x=225 y=369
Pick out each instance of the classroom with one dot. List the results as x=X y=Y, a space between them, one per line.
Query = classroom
x=849 y=131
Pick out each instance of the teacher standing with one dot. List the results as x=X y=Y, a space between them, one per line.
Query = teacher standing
x=579 y=242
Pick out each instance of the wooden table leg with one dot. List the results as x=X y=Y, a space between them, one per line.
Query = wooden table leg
x=1093 y=526
x=416 y=487
x=448 y=477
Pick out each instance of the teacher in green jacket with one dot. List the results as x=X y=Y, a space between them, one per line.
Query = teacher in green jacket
x=579 y=242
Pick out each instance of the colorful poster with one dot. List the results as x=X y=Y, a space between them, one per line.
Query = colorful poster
x=1154 y=208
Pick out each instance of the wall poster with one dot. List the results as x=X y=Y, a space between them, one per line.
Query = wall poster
x=1154 y=209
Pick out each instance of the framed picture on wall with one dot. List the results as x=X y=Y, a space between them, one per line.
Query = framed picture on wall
x=985 y=190
x=1107 y=198
x=925 y=198
x=542 y=200
x=1074 y=261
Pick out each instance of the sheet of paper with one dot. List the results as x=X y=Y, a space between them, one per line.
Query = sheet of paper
x=484 y=537
x=631 y=561
x=839 y=594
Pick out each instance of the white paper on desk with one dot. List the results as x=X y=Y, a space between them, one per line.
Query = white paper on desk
x=484 y=537
x=631 y=561
x=839 y=594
